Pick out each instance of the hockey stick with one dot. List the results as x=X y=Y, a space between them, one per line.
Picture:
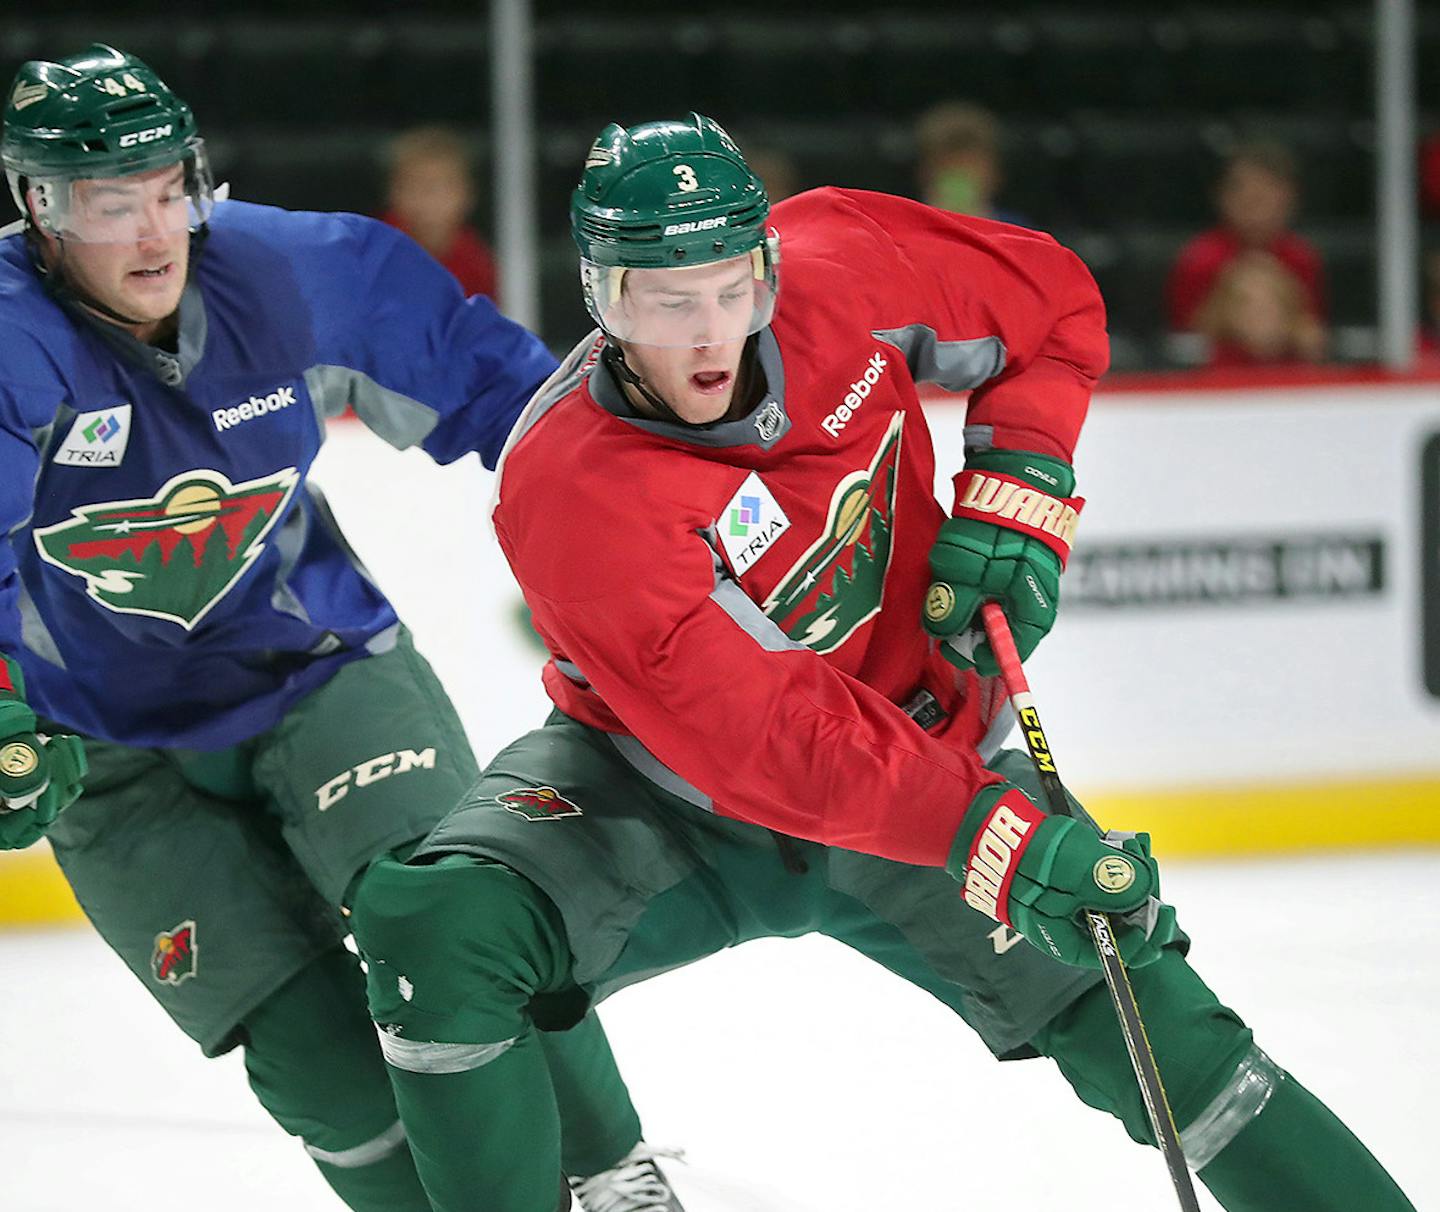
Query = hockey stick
x=1126 y=1009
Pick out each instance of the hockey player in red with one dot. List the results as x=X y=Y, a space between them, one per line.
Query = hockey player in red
x=721 y=511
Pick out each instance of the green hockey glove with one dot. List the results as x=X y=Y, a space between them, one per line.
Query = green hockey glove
x=1008 y=542
x=39 y=775
x=1038 y=873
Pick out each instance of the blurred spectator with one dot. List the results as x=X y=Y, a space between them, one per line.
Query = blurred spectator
x=775 y=168
x=1429 y=344
x=430 y=194
x=959 y=166
x=1258 y=314
x=1429 y=171
x=1257 y=198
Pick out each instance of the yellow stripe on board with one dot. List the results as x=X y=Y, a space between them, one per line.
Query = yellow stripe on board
x=1191 y=822
x=32 y=890
x=1272 y=819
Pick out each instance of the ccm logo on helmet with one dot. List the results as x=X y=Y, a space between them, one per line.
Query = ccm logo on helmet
x=147 y=136
x=684 y=229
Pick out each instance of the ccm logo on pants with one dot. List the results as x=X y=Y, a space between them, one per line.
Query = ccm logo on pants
x=327 y=795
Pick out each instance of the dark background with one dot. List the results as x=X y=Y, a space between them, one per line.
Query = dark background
x=1115 y=118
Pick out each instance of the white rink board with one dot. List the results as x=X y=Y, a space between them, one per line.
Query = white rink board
x=1163 y=696
x=1276 y=689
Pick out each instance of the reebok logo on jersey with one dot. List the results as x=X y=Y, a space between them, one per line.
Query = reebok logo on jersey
x=96 y=439
x=401 y=761
x=995 y=853
x=255 y=406
x=857 y=395
x=749 y=525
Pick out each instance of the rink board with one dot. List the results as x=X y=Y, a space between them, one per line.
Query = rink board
x=1247 y=658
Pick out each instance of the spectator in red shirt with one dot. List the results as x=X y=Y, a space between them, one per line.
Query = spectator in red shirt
x=1429 y=341
x=1257 y=315
x=430 y=195
x=1430 y=176
x=1257 y=198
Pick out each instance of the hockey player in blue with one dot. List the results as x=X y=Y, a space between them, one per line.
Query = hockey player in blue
x=177 y=599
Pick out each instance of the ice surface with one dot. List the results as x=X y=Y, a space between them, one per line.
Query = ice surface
x=799 y=1077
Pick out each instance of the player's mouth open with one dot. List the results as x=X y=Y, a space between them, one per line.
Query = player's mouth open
x=153 y=275
x=710 y=382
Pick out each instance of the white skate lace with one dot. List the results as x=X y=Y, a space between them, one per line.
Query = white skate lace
x=634 y=1184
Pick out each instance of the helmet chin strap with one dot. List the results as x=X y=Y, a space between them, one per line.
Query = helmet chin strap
x=614 y=358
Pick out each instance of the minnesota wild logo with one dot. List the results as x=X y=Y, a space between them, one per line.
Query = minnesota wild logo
x=176 y=954
x=839 y=583
x=174 y=555
x=537 y=803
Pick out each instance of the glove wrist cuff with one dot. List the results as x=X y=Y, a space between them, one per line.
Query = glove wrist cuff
x=998 y=828
x=1006 y=501
x=16 y=717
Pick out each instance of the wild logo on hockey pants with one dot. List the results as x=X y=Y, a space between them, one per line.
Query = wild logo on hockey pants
x=176 y=954
x=537 y=803
x=174 y=555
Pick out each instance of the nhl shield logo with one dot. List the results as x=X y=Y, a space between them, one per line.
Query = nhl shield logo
x=769 y=421
x=175 y=954
x=537 y=804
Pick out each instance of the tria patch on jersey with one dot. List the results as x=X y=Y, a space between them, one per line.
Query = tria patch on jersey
x=839 y=583
x=750 y=524
x=176 y=954
x=96 y=439
x=174 y=555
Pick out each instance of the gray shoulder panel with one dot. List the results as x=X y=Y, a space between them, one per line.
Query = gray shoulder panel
x=953 y=365
x=565 y=378
x=401 y=420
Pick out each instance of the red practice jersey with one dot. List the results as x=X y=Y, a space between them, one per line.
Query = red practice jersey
x=739 y=605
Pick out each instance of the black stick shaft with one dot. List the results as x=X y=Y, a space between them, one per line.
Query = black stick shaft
x=1116 y=978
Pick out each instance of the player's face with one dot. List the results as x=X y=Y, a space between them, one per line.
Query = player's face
x=130 y=249
x=1256 y=202
x=432 y=195
x=688 y=329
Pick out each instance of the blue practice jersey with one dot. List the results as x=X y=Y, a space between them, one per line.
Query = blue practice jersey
x=167 y=577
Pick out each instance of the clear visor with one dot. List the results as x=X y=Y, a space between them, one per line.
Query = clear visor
x=153 y=204
x=697 y=305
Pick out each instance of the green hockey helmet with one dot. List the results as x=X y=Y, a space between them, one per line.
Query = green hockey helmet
x=102 y=116
x=677 y=200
